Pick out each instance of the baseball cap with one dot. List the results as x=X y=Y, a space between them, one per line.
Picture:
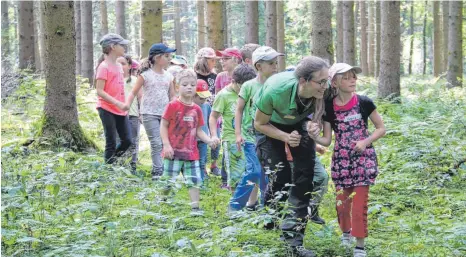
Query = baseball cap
x=112 y=39
x=160 y=48
x=264 y=53
x=206 y=52
x=202 y=89
x=338 y=68
x=174 y=69
x=179 y=60
x=230 y=52
x=135 y=65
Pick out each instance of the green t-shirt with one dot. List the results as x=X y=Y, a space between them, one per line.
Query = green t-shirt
x=225 y=104
x=278 y=99
x=248 y=91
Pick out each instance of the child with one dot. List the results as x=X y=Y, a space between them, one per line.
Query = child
x=354 y=162
x=264 y=59
x=230 y=58
x=204 y=66
x=246 y=53
x=134 y=122
x=225 y=106
x=179 y=60
x=182 y=121
x=158 y=89
x=111 y=97
x=202 y=94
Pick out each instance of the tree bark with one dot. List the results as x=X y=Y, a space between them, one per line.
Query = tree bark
x=424 y=41
x=37 y=32
x=178 y=27
x=321 y=30
x=252 y=22
x=364 y=43
x=340 y=32
x=348 y=33
x=201 y=29
x=445 y=12
x=411 y=40
x=356 y=28
x=26 y=35
x=60 y=124
x=136 y=35
x=87 y=46
x=5 y=34
x=371 y=39
x=77 y=28
x=271 y=33
x=103 y=17
x=214 y=25
x=281 y=34
x=151 y=24
x=225 y=23
x=120 y=18
x=437 y=45
x=389 y=79
x=455 y=45
x=377 y=48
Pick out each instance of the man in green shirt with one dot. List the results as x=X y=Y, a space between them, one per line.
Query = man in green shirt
x=225 y=106
x=283 y=105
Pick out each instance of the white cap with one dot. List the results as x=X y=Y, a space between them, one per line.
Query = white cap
x=338 y=68
x=264 y=53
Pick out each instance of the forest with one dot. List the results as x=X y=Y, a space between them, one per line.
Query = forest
x=61 y=197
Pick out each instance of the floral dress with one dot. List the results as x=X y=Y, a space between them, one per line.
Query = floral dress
x=350 y=168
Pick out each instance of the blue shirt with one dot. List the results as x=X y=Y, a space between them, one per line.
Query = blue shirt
x=206 y=110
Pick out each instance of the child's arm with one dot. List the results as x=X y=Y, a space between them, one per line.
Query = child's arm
x=213 y=143
x=378 y=132
x=314 y=133
x=167 y=148
x=238 y=120
x=213 y=124
x=100 y=84
x=172 y=91
x=134 y=92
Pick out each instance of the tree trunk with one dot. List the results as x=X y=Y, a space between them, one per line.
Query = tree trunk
x=377 y=45
x=214 y=25
x=340 y=32
x=60 y=123
x=178 y=27
x=252 y=22
x=87 y=46
x=271 y=14
x=356 y=28
x=411 y=40
x=151 y=24
x=437 y=46
x=103 y=17
x=26 y=35
x=77 y=28
x=389 y=79
x=370 y=38
x=120 y=18
x=136 y=35
x=321 y=30
x=5 y=35
x=201 y=31
x=37 y=32
x=225 y=23
x=455 y=45
x=445 y=12
x=363 y=48
x=348 y=33
x=424 y=42
x=281 y=34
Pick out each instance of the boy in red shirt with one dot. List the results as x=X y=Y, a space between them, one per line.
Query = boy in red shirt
x=181 y=124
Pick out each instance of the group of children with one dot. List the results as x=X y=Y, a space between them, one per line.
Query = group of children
x=186 y=111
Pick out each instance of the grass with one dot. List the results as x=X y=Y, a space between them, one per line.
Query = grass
x=61 y=203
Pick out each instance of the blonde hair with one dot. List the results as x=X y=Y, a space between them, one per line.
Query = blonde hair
x=337 y=81
x=187 y=73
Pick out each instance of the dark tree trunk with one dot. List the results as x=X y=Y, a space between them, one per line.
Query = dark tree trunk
x=377 y=48
x=424 y=42
x=455 y=45
x=178 y=27
x=77 y=28
x=201 y=29
x=26 y=35
x=103 y=18
x=411 y=40
x=5 y=34
x=348 y=34
x=87 y=46
x=120 y=18
x=281 y=34
x=252 y=22
x=321 y=30
x=363 y=46
x=340 y=32
x=271 y=16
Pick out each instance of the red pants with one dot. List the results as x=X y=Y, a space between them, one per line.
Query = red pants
x=352 y=211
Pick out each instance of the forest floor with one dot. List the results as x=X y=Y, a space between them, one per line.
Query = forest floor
x=60 y=203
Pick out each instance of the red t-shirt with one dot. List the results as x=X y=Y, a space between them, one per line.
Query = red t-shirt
x=347 y=106
x=183 y=122
x=114 y=86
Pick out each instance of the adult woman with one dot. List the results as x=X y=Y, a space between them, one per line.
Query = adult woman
x=283 y=105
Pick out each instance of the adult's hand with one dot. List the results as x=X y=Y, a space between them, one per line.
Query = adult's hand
x=294 y=138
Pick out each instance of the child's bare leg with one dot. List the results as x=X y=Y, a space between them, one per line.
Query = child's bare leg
x=194 y=196
x=253 y=197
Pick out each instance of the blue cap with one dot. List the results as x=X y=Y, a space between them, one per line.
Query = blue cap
x=160 y=49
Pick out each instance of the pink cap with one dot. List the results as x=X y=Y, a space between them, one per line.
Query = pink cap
x=134 y=65
x=230 y=52
x=206 y=52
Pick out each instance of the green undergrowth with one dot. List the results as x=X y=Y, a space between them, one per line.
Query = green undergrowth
x=61 y=203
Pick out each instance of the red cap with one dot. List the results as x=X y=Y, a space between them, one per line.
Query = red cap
x=230 y=52
x=202 y=89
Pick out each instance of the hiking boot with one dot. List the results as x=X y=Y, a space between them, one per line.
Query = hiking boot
x=315 y=216
x=359 y=253
x=253 y=207
x=303 y=252
x=347 y=239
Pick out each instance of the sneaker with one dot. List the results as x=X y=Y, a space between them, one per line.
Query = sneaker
x=253 y=207
x=347 y=239
x=215 y=171
x=359 y=253
x=303 y=252
x=196 y=211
